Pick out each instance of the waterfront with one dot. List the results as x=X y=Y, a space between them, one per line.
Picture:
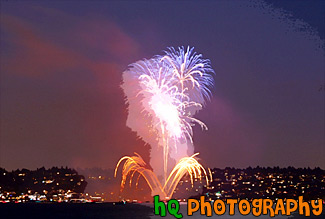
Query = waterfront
x=74 y=210
x=105 y=210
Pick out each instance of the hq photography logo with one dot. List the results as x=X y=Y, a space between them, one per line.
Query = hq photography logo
x=257 y=207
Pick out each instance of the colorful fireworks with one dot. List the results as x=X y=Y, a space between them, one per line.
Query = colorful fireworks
x=163 y=94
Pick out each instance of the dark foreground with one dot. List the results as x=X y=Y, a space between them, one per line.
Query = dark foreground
x=70 y=210
x=108 y=210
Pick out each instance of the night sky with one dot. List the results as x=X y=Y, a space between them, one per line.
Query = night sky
x=62 y=64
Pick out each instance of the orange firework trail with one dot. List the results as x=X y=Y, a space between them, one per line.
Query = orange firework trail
x=135 y=164
x=166 y=91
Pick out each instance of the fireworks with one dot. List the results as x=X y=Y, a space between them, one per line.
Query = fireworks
x=135 y=164
x=163 y=94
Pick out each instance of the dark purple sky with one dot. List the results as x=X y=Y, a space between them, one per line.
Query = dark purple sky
x=62 y=62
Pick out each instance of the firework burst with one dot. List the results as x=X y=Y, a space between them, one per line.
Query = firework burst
x=165 y=92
